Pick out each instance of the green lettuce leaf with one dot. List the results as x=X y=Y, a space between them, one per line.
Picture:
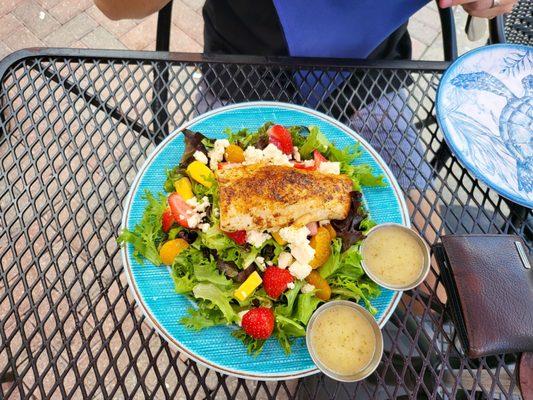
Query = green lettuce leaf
x=350 y=264
x=315 y=140
x=348 y=289
x=342 y=264
x=306 y=305
x=253 y=346
x=346 y=155
x=183 y=284
x=207 y=272
x=298 y=135
x=333 y=262
x=362 y=175
x=182 y=270
x=215 y=239
x=218 y=297
x=286 y=330
x=367 y=224
x=244 y=138
x=290 y=295
x=148 y=233
x=202 y=317
x=289 y=326
x=173 y=175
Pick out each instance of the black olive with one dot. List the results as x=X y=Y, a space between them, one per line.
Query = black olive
x=188 y=236
x=268 y=252
x=243 y=275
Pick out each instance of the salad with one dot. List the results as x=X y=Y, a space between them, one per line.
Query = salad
x=264 y=282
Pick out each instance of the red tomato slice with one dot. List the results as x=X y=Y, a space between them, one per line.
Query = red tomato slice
x=238 y=236
x=179 y=209
x=280 y=137
x=305 y=167
x=318 y=158
x=167 y=220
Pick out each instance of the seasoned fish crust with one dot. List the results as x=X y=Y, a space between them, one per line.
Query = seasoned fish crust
x=258 y=197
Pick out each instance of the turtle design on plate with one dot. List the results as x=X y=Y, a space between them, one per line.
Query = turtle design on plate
x=515 y=122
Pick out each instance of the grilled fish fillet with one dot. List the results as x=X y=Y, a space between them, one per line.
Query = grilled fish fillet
x=258 y=197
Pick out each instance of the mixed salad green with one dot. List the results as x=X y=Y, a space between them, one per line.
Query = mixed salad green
x=210 y=266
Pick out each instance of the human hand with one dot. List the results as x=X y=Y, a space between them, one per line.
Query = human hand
x=481 y=8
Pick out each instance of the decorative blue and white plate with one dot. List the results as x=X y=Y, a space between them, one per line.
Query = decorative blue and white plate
x=485 y=108
x=153 y=287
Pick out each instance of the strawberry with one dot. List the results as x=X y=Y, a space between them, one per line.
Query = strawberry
x=238 y=236
x=280 y=137
x=179 y=209
x=275 y=281
x=167 y=220
x=258 y=322
x=318 y=158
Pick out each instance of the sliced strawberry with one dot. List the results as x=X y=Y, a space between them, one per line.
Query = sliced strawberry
x=258 y=322
x=280 y=137
x=167 y=220
x=179 y=209
x=305 y=167
x=238 y=236
x=318 y=158
x=275 y=281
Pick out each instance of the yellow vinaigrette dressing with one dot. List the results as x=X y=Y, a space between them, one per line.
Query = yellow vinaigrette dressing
x=393 y=256
x=343 y=340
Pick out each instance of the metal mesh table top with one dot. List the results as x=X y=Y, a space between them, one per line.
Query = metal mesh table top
x=519 y=23
x=76 y=125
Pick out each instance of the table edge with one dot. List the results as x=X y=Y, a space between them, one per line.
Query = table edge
x=150 y=56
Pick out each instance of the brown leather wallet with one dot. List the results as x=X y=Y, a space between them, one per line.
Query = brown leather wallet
x=489 y=282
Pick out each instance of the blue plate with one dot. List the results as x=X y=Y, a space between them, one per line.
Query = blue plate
x=153 y=287
x=485 y=108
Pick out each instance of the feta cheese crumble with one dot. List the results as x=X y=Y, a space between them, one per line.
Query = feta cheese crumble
x=303 y=253
x=330 y=167
x=260 y=262
x=296 y=154
x=284 y=260
x=200 y=156
x=270 y=155
x=194 y=220
x=240 y=314
x=197 y=213
x=292 y=234
x=204 y=227
x=256 y=238
x=301 y=250
x=216 y=154
x=307 y=288
x=252 y=155
x=299 y=270
x=290 y=285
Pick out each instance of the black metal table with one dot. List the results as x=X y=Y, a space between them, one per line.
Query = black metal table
x=76 y=126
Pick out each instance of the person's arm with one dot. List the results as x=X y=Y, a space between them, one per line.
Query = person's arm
x=481 y=8
x=129 y=9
